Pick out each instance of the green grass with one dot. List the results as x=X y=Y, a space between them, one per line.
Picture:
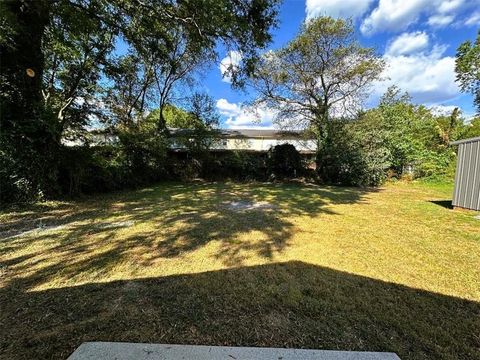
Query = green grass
x=394 y=269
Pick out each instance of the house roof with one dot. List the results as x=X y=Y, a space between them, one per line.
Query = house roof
x=458 y=142
x=247 y=133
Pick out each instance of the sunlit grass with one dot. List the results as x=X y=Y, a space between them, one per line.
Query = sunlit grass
x=397 y=234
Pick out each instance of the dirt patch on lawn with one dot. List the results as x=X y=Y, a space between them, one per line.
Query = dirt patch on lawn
x=243 y=205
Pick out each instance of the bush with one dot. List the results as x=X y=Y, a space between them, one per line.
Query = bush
x=24 y=175
x=353 y=154
x=143 y=154
x=236 y=165
x=92 y=169
x=284 y=161
x=184 y=167
x=435 y=164
x=139 y=158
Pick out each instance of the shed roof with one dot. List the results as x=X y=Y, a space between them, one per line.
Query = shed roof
x=458 y=142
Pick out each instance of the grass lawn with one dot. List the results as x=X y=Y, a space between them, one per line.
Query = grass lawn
x=323 y=267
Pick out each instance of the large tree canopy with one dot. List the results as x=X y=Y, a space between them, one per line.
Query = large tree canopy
x=321 y=73
x=68 y=43
x=467 y=67
x=61 y=68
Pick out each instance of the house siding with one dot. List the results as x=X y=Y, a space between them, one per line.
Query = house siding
x=256 y=144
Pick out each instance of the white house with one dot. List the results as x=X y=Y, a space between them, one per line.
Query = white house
x=249 y=140
x=218 y=139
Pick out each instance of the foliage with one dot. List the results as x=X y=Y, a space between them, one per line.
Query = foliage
x=76 y=49
x=26 y=131
x=144 y=152
x=322 y=72
x=236 y=165
x=354 y=153
x=60 y=73
x=128 y=98
x=199 y=118
x=244 y=166
x=138 y=157
x=284 y=161
x=403 y=123
x=472 y=129
x=397 y=137
x=416 y=141
x=199 y=113
x=467 y=67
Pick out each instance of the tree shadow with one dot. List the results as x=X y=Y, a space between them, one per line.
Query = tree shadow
x=291 y=304
x=181 y=219
x=447 y=204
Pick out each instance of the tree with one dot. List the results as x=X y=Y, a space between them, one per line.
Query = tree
x=472 y=129
x=417 y=141
x=199 y=113
x=25 y=135
x=199 y=116
x=447 y=128
x=128 y=97
x=55 y=56
x=203 y=111
x=323 y=73
x=402 y=122
x=467 y=67
x=355 y=152
x=78 y=35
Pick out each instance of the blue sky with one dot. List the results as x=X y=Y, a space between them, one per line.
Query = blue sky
x=417 y=38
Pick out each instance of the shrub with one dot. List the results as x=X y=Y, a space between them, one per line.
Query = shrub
x=236 y=165
x=434 y=163
x=139 y=158
x=23 y=179
x=284 y=161
x=353 y=154
x=143 y=154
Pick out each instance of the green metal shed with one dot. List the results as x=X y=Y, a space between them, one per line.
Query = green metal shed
x=467 y=176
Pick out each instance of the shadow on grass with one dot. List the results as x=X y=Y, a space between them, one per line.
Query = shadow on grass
x=181 y=218
x=291 y=304
x=447 y=204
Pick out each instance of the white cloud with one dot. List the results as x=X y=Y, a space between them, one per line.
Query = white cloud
x=429 y=77
x=226 y=108
x=474 y=19
x=245 y=117
x=393 y=15
x=447 y=6
x=408 y=43
x=335 y=8
x=397 y=15
x=440 y=20
x=229 y=64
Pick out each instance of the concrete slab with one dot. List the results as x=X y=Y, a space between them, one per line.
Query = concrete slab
x=130 y=351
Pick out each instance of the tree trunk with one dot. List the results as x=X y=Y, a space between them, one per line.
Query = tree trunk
x=25 y=134
x=22 y=62
x=322 y=133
